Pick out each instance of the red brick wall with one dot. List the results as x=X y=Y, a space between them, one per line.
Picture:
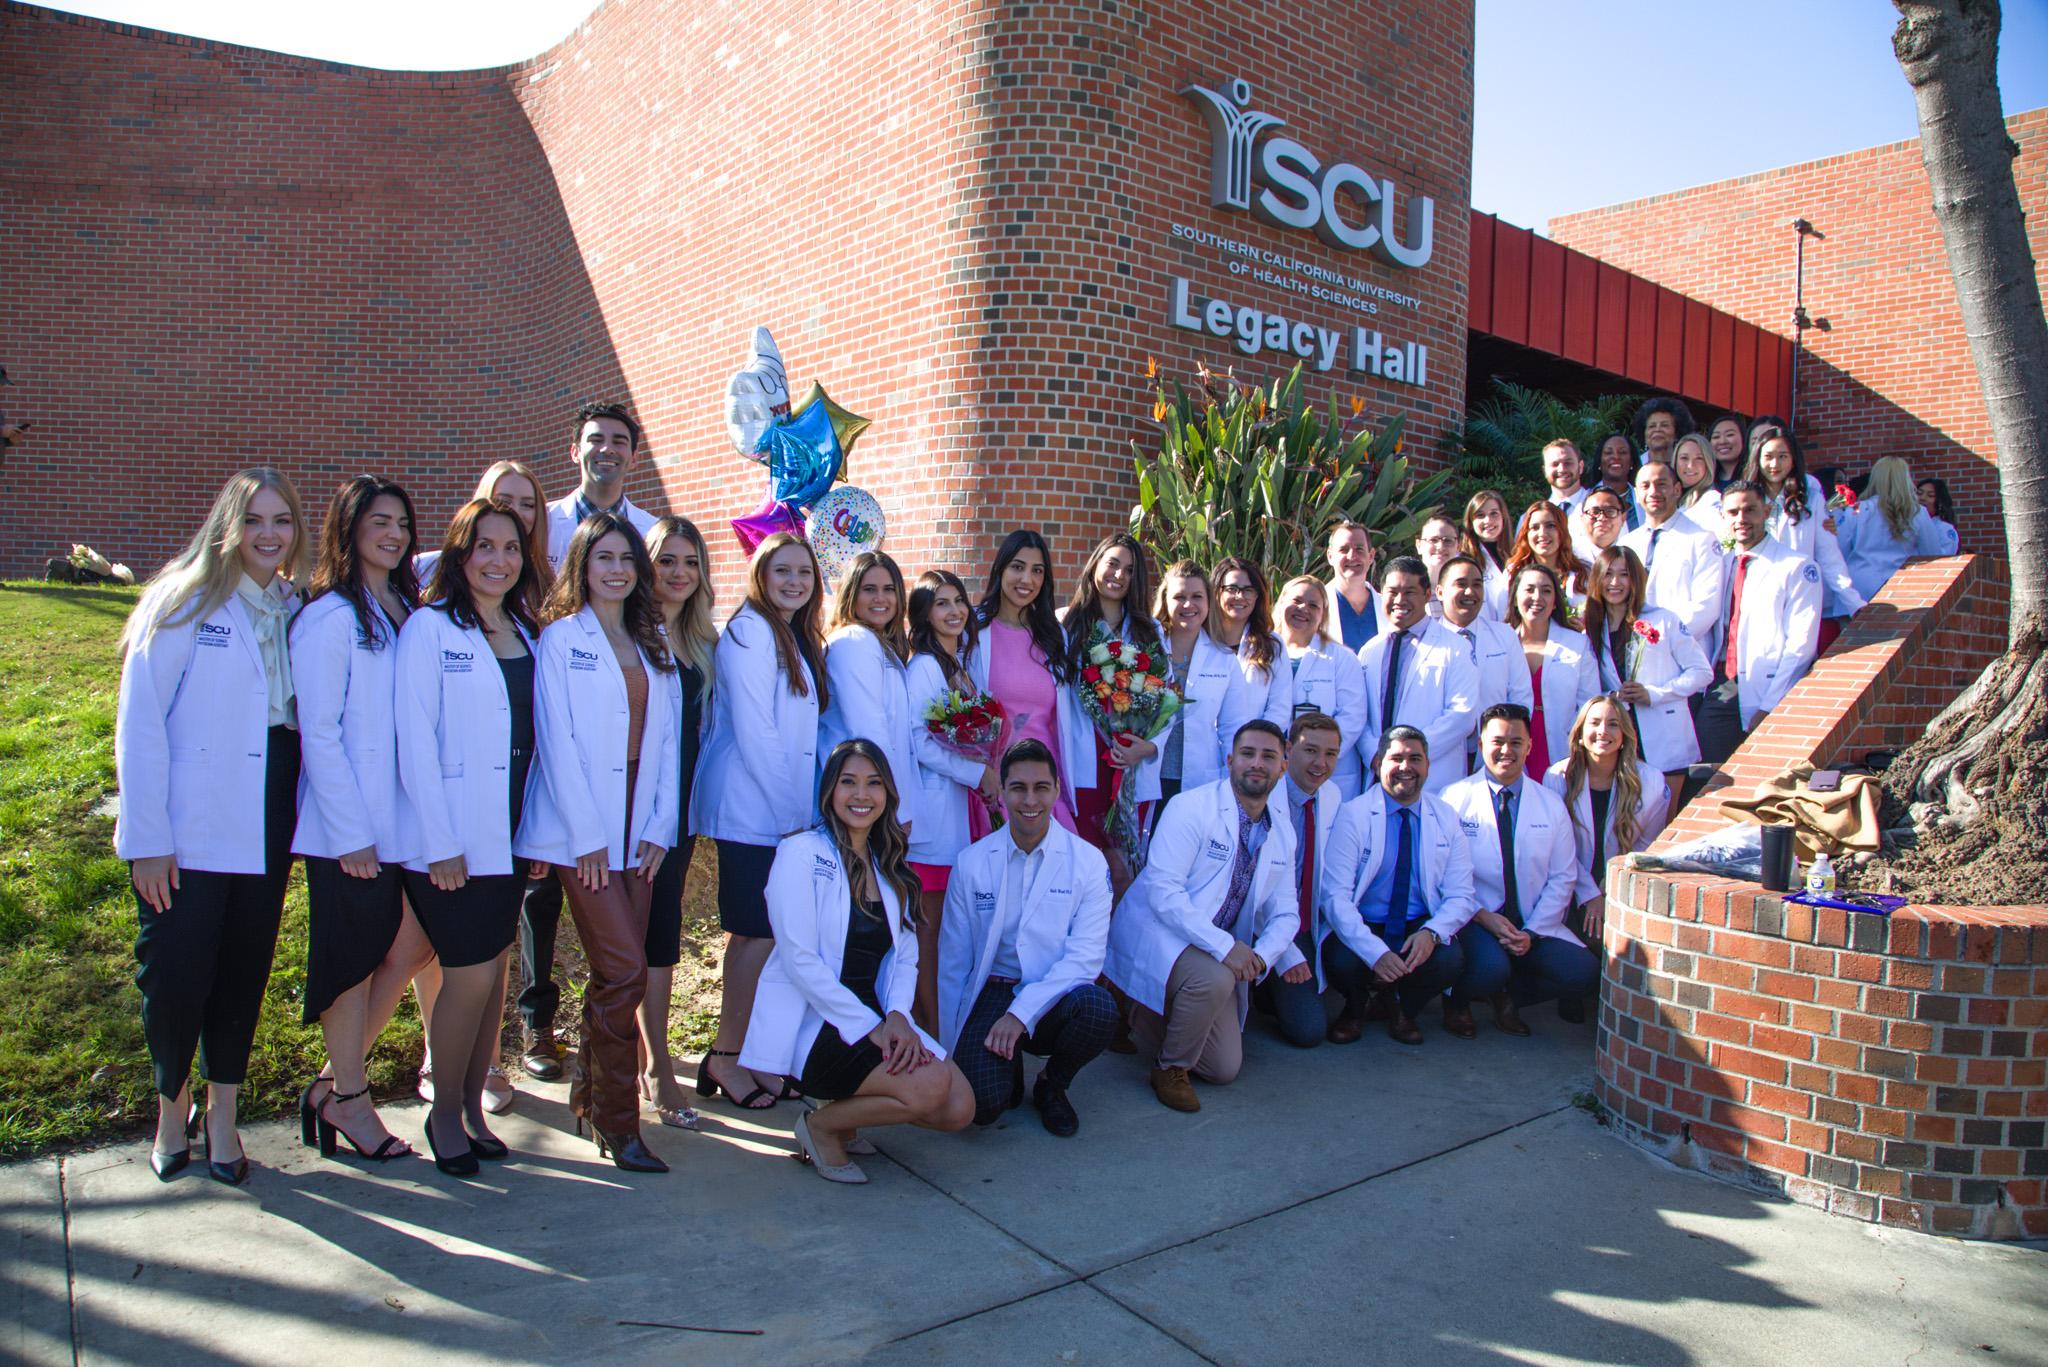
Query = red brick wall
x=1893 y=1070
x=956 y=217
x=1891 y=372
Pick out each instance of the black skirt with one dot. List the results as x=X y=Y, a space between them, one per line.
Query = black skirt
x=350 y=925
x=665 y=911
x=743 y=888
x=473 y=924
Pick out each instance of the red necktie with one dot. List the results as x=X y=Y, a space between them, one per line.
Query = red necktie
x=1735 y=612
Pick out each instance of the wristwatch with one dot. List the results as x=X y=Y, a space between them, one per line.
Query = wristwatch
x=1441 y=942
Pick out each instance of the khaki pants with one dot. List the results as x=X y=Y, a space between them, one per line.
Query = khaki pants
x=1200 y=1030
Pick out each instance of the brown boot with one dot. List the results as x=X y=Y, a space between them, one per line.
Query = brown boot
x=1506 y=1017
x=1402 y=1029
x=1346 y=1029
x=540 y=1056
x=1175 y=1089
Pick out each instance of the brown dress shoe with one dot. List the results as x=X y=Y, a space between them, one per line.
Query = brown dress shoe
x=1345 y=1029
x=1402 y=1029
x=1507 y=1018
x=1458 y=1020
x=1174 y=1088
x=1381 y=1007
x=541 y=1057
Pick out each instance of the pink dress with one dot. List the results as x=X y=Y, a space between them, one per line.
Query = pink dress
x=1022 y=682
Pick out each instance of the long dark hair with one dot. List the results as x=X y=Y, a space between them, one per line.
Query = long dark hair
x=799 y=637
x=449 y=586
x=1257 y=645
x=924 y=640
x=1793 y=490
x=340 y=567
x=639 y=614
x=1084 y=609
x=888 y=847
x=1598 y=625
x=893 y=637
x=1039 y=618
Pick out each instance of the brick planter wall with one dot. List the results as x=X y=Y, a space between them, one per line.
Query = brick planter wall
x=1891 y=1069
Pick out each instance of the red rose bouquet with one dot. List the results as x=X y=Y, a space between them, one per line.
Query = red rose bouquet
x=1124 y=690
x=967 y=724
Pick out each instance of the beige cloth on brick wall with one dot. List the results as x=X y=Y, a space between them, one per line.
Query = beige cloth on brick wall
x=1846 y=819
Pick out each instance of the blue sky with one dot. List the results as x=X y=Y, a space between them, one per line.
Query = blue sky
x=1580 y=103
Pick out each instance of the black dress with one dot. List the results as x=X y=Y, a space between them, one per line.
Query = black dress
x=665 y=909
x=835 y=1069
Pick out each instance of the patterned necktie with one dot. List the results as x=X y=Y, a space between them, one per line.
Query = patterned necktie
x=1504 y=820
x=1307 y=934
x=1404 y=874
x=1240 y=877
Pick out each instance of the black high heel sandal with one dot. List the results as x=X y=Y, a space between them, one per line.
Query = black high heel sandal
x=629 y=1152
x=708 y=1085
x=232 y=1173
x=309 y=1114
x=392 y=1147
x=461 y=1165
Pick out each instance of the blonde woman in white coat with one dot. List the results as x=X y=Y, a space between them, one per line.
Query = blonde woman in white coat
x=1616 y=800
x=207 y=759
x=362 y=944
x=832 y=1011
x=952 y=787
x=1649 y=661
x=1562 y=673
x=605 y=816
x=755 y=781
x=1326 y=678
x=465 y=712
x=865 y=656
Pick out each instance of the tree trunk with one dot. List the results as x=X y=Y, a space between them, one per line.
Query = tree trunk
x=1948 y=50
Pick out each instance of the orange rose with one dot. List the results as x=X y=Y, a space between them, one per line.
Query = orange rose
x=1120 y=701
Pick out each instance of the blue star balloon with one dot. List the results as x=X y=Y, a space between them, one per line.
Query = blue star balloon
x=803 y=457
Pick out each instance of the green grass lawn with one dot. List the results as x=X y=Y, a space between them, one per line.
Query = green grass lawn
x=73 y=1068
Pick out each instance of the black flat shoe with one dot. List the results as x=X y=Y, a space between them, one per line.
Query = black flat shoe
x=169 y=1165
x=463 y=1164
x=231 y=1173
x=1054 y=1109
x=486 y=1145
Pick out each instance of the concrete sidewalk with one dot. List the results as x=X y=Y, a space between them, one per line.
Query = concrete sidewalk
x=1364 y=1204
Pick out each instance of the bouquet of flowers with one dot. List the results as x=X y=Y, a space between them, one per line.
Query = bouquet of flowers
x=1845 y=498
x=1124 y=691
x=969 y=724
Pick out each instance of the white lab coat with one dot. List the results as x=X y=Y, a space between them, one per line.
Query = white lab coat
x=1570 y=679
x=1495 y=608
x=1496 y=652
x=1672 y=671
x=1685 y=576
x=455 y=745
x=1076 y=733
x=562 y=524
x=1359 y=846
x=810 y=905
x=1062 y=931
x=1546 y=860
x=946 y=780
x=1187 y=875
x=1327 y=679
x=348 y=735
x=1329 y=802
x=1809 y=538
x=1651 y=813
x=1218 y=698
x=580 y=716
x=1272 y=690
x=871 y=701
x=1874 y=555
x=191 y=742
x=1705 y=513
x=1778 y=634
x=757 y=773
x=1438 y=695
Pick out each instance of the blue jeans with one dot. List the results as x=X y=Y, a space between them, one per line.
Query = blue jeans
x=1299 y=1007
x=1552 y=968
x=1486 y=965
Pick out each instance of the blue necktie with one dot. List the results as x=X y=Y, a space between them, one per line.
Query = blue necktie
x=1651 y=559
x=1504 y=818
x=1404 y=873
x=1393 y=689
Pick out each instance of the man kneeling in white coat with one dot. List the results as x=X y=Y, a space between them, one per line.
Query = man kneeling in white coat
x=1213 y=909
x=1020 y=947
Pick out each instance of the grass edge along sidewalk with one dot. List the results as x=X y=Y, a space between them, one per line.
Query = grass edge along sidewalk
x=73 y=1067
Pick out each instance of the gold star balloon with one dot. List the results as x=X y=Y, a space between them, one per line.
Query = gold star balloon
x=847 y=425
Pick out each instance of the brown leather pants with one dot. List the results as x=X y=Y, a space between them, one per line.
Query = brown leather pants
x=613 y=927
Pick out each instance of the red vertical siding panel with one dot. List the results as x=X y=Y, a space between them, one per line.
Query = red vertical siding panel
x=1642 y=330
x=1670 y=340
x=1694 y=382
x=1581 y=307
x=1546 y=295
x=1721 y=363
x=1610 y=343
x=1511 y=283
x=1744 y=387
x=1479 y=278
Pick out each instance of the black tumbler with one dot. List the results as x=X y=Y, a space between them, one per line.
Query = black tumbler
x=1777 y=858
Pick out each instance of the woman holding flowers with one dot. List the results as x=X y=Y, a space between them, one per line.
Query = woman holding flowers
x=1800 y=521
x=954 y=731
x=1110 y=604
x=1024 y=665
x=1649 y=661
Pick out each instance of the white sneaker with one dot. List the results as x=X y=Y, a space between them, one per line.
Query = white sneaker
x=498 y=1093
x=426 y=1084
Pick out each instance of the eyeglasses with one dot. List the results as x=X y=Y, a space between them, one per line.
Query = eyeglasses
x=1603 y=512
